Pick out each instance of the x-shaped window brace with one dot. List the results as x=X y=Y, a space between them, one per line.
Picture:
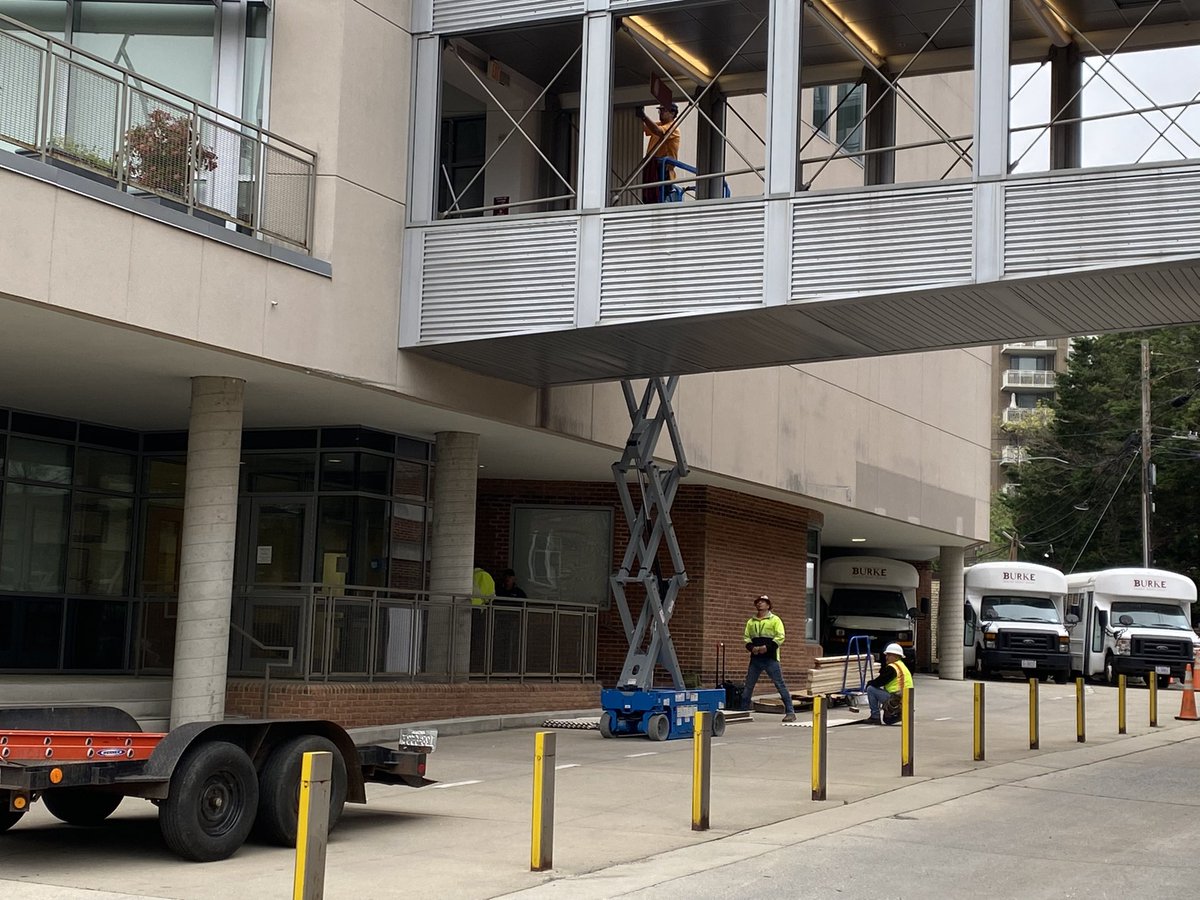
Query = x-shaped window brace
x=1058 y=118
x=516 y=123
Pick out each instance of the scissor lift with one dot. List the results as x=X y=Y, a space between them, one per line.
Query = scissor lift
x=635 y=705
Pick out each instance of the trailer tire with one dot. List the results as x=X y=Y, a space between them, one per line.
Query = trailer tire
x=211 y=804
x=718 y=723
x=83 y=806
x=9 y=817
x=657 y=727
x=279 y=789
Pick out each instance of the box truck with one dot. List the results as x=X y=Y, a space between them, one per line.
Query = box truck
x=1133 y=622
x=868 y=595
x=1013 y=620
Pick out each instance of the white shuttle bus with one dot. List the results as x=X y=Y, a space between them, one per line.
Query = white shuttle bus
x=869 y=595
x=1133 y=622
x=1013 y=617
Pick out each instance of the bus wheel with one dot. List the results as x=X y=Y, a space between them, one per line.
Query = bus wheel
x=81 y=805
x=211 y=802
x=1110 y=671
x=279 y=789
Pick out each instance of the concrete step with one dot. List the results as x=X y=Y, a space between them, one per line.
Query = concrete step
x=146 y=699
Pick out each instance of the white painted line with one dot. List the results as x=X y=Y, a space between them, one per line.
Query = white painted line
x=451 y=784
x=567 y=766
x=636 y=755
x=944 y=719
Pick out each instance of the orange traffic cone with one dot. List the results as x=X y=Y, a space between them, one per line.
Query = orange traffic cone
x=1187 y=709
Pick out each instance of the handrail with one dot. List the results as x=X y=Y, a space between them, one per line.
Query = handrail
x=266 y=694
x=76 y=109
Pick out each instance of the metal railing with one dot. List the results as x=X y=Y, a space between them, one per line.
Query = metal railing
x=1016 y=413
x=1012 y=456
x=76 y=110
x=1027 y=346
x=380 y=634
x=285 y=663
x=1030 y=378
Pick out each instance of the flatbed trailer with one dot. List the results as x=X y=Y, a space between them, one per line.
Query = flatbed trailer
x=214 y=783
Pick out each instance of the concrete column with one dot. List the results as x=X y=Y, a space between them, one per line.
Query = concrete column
x=206 y=556
x=452 y=549
x=950 y=615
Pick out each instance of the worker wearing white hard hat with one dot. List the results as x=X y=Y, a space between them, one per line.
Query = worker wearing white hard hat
x=883 y=691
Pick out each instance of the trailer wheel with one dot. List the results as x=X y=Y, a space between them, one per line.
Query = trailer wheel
x=9 y=818
x=80 y=805
x=718 y=723
x=279 y=789
x=606 y=724
x=211 y=803
x=657 y=727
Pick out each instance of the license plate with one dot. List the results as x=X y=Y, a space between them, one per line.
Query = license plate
x=1029 y=664
x=1162 y=670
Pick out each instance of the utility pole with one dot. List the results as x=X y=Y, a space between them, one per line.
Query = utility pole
x=1147 y=470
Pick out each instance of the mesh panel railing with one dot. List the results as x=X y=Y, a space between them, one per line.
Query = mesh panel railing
x=376 y=633
x=74 y=109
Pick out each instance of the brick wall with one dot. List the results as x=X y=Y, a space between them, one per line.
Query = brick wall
x=354 y=705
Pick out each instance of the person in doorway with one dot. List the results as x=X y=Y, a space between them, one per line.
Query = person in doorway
x=508 y=587
x=884 y=691
x=764 y=636
x=662 y=143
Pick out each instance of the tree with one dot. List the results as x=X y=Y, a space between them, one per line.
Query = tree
x=1079 y=502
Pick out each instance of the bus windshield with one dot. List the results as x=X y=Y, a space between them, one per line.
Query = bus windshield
x=867 y=602
x=1154 y=615
x=1019 y=609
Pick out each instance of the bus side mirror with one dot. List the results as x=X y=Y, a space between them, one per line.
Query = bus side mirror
x=912 y=612
x=1072 y=620
x=1103 y=618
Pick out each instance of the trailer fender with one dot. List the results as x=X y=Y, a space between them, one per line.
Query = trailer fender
x=258 y=738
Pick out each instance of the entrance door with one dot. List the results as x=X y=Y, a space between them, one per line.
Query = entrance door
x=276 y=563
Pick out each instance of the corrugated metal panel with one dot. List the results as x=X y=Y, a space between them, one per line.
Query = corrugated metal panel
x=871 y=243
x=674 y=260
x=1074 y=222
x=481 y=281
x=451 y=16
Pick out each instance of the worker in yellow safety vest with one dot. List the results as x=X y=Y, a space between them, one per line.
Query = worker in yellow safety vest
x=764 y=636
x=883 y=692
x=483 y=587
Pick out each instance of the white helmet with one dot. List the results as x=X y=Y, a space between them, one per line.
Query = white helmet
x=894 y=649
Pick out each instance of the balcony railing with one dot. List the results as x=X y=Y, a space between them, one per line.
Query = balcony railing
x=1029 y=378
x=1030 y=347
x=1016 y=413
x=75 y=110
x=1012 y=456
x=380 y=634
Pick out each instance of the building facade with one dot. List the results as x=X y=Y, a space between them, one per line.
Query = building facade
x=292 y=343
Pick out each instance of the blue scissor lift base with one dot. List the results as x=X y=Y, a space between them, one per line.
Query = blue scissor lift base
x=629 y=712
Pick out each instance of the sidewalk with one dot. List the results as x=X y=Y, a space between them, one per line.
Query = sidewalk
x=622 y=806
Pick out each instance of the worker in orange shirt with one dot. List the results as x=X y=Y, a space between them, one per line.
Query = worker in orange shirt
x=663 y=143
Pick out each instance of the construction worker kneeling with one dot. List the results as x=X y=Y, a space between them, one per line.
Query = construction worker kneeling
x=884 y=691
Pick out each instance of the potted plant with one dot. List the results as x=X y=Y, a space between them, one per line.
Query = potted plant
x=158 y=151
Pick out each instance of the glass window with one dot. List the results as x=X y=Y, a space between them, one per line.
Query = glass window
x=1026 y=401
x=254 y=82
x=33 y=538
x=849 y=115
x=172 y=43
x=337 y=471
x=346 y=471
x=407 y=547
x=30 y=632
x=1097 y=632
x=40 y=461
x=104 y=470
x=96 y=634
x=162 y=535
x=820 y=109
x=279 y=473
x=49 y=16
x=352 y=541
x=101 y=539
x=1030 y=363
x=409 y=480
x=374 y=474
x=563 y=553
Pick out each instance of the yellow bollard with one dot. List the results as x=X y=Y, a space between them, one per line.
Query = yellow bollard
x=1080 y=713
x=312 y=826
x=819 y=744
x=1152 y=683
x=979 y=723
x=1120 y=704
x=906 y=731
x=701 y=770
x=1034 y=724
x=542 y=843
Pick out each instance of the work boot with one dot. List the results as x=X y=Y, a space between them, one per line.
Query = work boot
x=790 y=717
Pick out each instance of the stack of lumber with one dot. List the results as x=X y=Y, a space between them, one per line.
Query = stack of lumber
x=827 y=674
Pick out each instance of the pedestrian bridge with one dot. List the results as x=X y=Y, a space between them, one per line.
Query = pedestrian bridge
x=1063 y=198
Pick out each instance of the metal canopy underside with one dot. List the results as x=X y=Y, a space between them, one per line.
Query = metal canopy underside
x=1088 y=302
